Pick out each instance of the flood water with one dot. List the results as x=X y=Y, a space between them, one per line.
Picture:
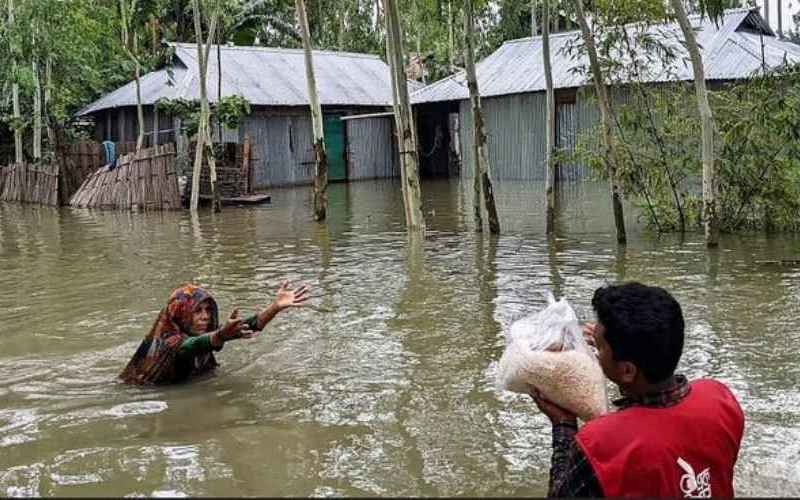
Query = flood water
x=384 y=385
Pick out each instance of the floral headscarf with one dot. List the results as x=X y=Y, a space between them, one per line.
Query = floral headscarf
x=154 y=360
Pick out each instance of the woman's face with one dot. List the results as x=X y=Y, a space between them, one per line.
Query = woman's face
x=201 y=317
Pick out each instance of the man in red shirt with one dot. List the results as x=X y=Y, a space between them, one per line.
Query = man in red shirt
x=668 y=437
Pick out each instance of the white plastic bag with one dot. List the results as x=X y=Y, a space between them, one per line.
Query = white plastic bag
x=547 y=351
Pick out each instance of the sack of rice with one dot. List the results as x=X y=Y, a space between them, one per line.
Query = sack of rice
x=547 y=351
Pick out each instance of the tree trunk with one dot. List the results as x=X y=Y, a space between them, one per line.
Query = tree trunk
x=482 y=180
x=397 y=123
x=48 y=86
x=451 y=48
x=780 y=18
x=37 y=111
x=605 y=118
x=320 y=155
x=534 y=27
x=766 y=10
x=15 y=95
x=139 y=107
x=219 y=80
x=203 y=142
x=474 y=97
x=550 y=128
x=130 y=45
x=710 y=215
x=407 y=144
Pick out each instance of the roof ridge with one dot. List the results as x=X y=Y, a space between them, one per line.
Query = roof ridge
x=726 y=12
x=254 y=48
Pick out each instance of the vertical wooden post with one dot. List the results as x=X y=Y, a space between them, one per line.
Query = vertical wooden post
x=156 y=127
x=320 y=155
x=247 y=171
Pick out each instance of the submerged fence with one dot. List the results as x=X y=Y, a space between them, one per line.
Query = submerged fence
x=30 y=183
x=146 y=181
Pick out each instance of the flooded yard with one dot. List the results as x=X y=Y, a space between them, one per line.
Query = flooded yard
x=384 y=385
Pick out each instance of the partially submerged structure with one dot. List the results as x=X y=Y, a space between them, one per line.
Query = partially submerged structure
x=512 y=87
x=279 y=126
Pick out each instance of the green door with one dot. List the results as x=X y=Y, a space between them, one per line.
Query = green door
x=334 y=146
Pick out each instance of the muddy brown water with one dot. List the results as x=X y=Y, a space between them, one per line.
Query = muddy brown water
x=384 y=385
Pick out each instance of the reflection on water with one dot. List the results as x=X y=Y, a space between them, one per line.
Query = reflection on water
x=384 y=386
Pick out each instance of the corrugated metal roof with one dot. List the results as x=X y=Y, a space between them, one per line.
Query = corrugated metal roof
x=731 y=50
x=265 y=76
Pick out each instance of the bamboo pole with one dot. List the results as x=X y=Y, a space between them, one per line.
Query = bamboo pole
x=320 y=155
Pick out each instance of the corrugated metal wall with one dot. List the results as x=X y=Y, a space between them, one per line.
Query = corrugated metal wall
x=370 y=148
x=282 y=143
x=283 y=148
x=282 y=151
x=516 y=134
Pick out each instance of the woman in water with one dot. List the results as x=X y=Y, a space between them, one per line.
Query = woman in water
x=180 y=344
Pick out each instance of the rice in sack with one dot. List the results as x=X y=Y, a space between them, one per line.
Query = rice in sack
x=547 y=351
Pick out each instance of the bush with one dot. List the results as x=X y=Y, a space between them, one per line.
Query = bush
x=756 y=142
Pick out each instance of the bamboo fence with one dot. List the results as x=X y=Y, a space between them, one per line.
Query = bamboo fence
x=30 y=183
x=87 y=157
x=3 y=175
x=144 y=181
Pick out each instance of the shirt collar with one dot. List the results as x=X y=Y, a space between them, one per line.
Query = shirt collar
x=670 y=395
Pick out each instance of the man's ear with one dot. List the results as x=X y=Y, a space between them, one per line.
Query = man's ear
x=627 y=372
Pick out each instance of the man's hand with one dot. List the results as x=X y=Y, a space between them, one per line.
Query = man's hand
x=287 y=297
x=555 y=413
x=588 y=333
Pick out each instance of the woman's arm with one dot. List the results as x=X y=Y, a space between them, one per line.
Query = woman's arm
x=199 y=344
x=284 y=299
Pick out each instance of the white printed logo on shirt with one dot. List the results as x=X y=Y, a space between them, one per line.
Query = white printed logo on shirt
x=694 y=486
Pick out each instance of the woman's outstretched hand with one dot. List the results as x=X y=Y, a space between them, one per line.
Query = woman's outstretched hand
x=287 y=297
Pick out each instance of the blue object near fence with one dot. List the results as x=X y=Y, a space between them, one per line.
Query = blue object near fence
x=110 y=151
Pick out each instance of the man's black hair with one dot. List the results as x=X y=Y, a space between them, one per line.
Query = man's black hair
x=643 y=325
